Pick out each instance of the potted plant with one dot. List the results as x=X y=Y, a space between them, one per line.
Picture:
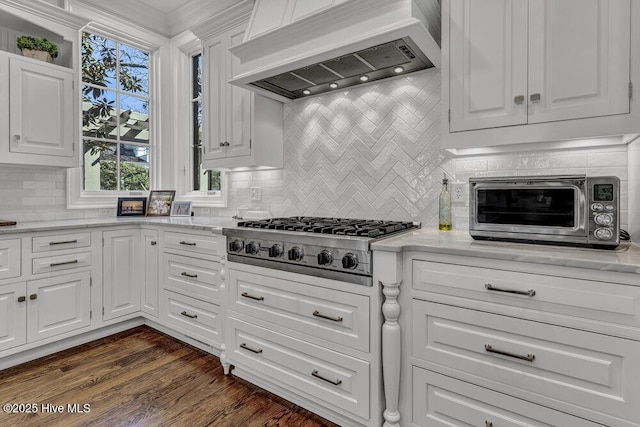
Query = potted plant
x=38 y=48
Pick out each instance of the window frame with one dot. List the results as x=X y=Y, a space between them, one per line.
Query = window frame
x=124 y=32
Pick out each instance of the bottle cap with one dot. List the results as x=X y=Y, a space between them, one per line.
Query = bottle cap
x=445 y=180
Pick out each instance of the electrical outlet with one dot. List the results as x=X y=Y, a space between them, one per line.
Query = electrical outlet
x=106 y=212
x=256 y=194
x=458 y=192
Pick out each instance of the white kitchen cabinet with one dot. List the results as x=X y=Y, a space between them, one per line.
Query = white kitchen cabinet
x=13 y=315
x=150 y=264
x=121 y=273
x=10 y=258
x=241 y=129
x=534 y=71
x=57 y=305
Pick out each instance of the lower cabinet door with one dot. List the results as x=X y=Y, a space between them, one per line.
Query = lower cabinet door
x=13 y=315
x=150 y=287
x=56 y=305
x=439 y=400
x=121 y=273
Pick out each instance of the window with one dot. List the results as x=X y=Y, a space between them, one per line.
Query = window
x=115 y=115
x=203 y=180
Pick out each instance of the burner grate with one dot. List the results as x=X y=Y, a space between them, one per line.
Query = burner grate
x=338 y=226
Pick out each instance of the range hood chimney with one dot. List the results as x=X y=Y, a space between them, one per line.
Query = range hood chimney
x=299 y=48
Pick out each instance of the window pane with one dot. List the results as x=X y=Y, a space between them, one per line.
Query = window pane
x=134 y=167
x=98 y=60
x=100 y=170
x=134 y=119
x=134 y=70
x=197 y=76
x=98 y=112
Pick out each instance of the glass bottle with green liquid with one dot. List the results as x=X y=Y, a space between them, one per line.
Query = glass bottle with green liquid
x=444 y=204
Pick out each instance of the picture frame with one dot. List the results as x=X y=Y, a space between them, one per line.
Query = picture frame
x=160 y=202
x=181 y=208
x=132 y=206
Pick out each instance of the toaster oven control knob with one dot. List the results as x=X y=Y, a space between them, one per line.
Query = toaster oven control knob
x=603 y=233
x=349 y=261
x=603 y=219
x=325 y=258
x=252 y=248
x=596 y=207
x=275 y=251
x=236 y=246
x=296 y=253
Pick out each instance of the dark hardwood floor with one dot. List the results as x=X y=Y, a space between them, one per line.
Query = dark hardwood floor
x=141 y=378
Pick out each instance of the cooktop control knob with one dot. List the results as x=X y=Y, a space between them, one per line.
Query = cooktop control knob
x=349 y=261
x=236 y=246
x=603 y=233
x=603 y=219
x=296 y=253
x=325 y=257
x=252 y=248
x=275 y=251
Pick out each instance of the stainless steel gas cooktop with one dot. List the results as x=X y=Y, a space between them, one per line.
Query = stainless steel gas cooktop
x=334 y=248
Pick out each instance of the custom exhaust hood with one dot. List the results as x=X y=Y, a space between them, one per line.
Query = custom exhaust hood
x=299 y=48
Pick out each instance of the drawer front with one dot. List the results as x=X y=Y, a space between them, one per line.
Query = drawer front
x=61 y=242
x=531 y=359
x=327 y=314
x=319 y=374
x=61 y=262
x=192 y=277
x=10 y=258
x=194 y=318
x=585 y=299
x=192 y=243
x=443 y=401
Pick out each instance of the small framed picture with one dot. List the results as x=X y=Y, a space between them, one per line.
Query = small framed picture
x=160 y=202
x=132 y=206
x=181 y=209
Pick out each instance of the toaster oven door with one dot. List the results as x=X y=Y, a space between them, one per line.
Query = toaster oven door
x=533 y=210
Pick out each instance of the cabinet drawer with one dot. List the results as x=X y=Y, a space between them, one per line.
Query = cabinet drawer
x=61 y=262
x=61 y=242
x=196 y=319
x=583 y=299
x=315 y=312
x=193 y=277
x=189 y=243
x=439 y=400
x=535 y=361
x=314 y=372
x=10 y=258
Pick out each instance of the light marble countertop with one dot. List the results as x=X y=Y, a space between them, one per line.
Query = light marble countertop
x=625 y=258
x=214 y=224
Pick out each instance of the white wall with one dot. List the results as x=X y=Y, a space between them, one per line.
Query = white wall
x=369 y=152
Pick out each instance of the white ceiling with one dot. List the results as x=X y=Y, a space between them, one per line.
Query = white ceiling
x=164 y=6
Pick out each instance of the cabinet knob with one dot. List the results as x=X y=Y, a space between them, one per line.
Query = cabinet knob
x=16 y=137
x=153 y=243
x=33 y=296
x=519 y=99
x=22 y=299
x=226 y=143
x=535 y=97
x=222 y=144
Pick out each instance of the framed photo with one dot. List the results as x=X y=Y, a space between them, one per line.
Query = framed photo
x=181 y=209
x=160 y=202
x=132 y=206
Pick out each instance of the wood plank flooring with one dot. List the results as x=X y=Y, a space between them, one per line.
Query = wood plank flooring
x=142 y=377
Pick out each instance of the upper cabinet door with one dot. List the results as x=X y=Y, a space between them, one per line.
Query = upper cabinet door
x=578 y=59
x=488 y=63
x=41 y=105
x=239 y=105
x=214 y=83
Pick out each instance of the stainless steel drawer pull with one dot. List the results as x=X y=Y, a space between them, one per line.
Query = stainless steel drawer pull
x=246 y=295
x=490 y=287
x=56 y=264
x=192 y=276
x=65 y=242
x=323 y=316
x=190 y=316
x=187 y=243
x=317 y=375
x=529 y=357
x=252 y=350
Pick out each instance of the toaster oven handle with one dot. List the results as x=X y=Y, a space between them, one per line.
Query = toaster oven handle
x=490 y=287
